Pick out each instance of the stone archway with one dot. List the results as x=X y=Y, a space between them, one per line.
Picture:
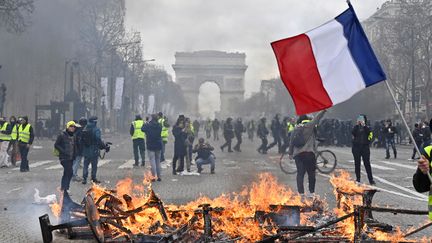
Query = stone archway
x=227 y=70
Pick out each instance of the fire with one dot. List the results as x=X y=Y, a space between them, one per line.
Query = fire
x=233 y=214
x=347 y=193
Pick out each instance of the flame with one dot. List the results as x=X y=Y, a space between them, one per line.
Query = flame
x=348 y=194
x=237 y=219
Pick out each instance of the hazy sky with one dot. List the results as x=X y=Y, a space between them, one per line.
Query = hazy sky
x=247 y=26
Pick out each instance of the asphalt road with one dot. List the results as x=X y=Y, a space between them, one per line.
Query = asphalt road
x=19 y=216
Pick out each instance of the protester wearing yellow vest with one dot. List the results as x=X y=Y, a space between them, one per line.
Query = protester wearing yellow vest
x=421 y=180
x=12 y=147
x=138 y=138
x=5 y=137
x=25 y=140
x=163 y=121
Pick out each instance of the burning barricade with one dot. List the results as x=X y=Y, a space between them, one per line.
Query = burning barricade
x=266 y=211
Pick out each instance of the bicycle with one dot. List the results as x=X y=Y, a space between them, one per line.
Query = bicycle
x=326 y=162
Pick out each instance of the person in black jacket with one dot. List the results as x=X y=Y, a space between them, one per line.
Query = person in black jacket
x=180 y=136
x=153 y=131
x=228 y=132
x=79 y=146
x=204 y=155
x=275 y=129
x=389 y=134
x=66 y=147
x=239 y=129
x=418 y=138
x=262 y=133
x=361 y=138
x=421 y=181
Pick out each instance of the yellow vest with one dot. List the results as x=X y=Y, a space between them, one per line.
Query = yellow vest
x=290 y=127
x=4 y=137
x=137 y=132
x=14 y=134
x=165 y=131
x=24 y=133
x=428 y=150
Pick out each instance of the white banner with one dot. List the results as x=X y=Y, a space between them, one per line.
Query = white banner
x=140 y=106
x=151 y=104
x=118 y=95
x=104 y=98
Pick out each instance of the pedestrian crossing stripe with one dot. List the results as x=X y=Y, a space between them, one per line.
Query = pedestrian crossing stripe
x=59 y=166
x=389 y=163
x=127 y=164
x=412 y=167
x=36 y=164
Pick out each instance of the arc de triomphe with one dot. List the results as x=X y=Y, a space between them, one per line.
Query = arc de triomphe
x=227 y=70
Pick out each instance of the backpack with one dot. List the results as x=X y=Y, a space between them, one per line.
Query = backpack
x=87 y=137
x=299 y=139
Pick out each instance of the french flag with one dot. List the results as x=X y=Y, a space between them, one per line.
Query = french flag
x=327 y=65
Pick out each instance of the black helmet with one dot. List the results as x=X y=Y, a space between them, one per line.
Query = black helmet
x=93 y=119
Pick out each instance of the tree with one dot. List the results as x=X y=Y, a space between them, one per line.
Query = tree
x=15 y=14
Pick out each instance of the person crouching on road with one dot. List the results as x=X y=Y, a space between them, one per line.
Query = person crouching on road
x=66 y=147
x=204 y=155
x=302 y=148
x=25 y=140
x=153 y=131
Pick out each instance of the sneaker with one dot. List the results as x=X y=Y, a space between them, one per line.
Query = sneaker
x=142 y=164
x=159 y=179
x=221 y=148
x=84 y=182
x=212 y=172
x=135 y=165
x=96 y=181
x=174 y=172
x=372 y=183
x=199 y=170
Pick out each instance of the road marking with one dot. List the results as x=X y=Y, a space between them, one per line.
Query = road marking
x=411 y=167
x=127 y=165
x=381 y=167
x=390 y=191
x=399 y=187
x=376 y=166
x=36 y=164
x=59 y=166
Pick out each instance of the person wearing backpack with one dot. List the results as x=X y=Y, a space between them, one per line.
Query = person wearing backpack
x=92 y=142
x=302 y=149
x=65 y=145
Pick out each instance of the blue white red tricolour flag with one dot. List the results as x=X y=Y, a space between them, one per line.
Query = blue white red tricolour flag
x=327 y=65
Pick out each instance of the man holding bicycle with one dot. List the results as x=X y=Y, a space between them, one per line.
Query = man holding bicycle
x=302 y=148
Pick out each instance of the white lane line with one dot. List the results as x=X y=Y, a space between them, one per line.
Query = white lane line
x=389 y=191
x=36 y=164
x=376 y=166
x=54 y=167
x=103 y=162
x=128 y=164
x=411 y=167
x=59 y=166
x=381 y=167
x=399 y=187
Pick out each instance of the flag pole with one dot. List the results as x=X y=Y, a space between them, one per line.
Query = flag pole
x=406 y=124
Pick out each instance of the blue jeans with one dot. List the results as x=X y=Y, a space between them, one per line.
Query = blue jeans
x=210 y=160
x=87 y=161
x=76 y=164
x=154 y=157
x=390 y=142
x=162 y=156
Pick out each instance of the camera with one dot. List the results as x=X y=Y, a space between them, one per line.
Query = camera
x=107 y=146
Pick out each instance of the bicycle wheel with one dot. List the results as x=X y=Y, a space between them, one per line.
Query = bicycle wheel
x=326 y=161
x=287 y=165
